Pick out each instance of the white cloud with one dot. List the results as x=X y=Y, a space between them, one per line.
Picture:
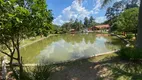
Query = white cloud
x=58 y=20
x=72 y=12
x=77 y=11
x=97 y=7
x=118 y=0
x=100 y=19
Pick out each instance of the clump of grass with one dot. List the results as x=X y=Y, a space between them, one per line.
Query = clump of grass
x=38 y=72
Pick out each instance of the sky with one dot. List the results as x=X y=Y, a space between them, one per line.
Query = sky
x=64 y=10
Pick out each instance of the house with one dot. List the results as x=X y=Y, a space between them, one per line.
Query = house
x=90 y=29
x=101 y=27
x=72 y=31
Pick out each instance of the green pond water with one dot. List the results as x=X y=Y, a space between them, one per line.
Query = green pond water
x=60 y=48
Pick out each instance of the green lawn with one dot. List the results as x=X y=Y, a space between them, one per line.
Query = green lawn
x=106 y=67
x=26 y=41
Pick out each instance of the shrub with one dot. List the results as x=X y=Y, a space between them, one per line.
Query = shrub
x=129 y=53
x=39 y=72
x=129 y=36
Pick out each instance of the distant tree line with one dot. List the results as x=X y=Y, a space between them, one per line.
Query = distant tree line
x=77 y=25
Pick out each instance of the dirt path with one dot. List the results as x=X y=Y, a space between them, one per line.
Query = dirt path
x=99 y=68
x=84 y=71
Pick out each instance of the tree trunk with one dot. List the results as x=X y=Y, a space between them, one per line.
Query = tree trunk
x=19 y=59
x=11 y=65
x=139 y=36
x=11 y=61
x=135 y=34
x=20 y=63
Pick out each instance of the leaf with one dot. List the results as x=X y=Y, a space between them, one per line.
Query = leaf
x=17 y=19
x=9 y=2
x=12 y=1
x=1 y=1
x=11 y=15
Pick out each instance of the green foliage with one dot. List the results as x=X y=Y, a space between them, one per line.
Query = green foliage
x=78 y=25
x=86 y=22
x=129 y=53
x=57 y=29
x=20 y=19
x=115 y=10
x=118 y=7
x=105 y=2
x=38 y=72
x=92 y=22
x=126 y=21
x=129 y=36
x=66 y=27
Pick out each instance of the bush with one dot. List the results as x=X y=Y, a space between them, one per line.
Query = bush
x=39 y=72
x=129 y=53
x=129 y=36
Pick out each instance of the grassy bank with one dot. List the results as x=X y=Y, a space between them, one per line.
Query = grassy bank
x=106 y=67
x=30 y=41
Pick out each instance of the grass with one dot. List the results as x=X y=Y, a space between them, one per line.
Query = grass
x=106 y=67
x=130 y=38
x=38 y=72
x=27 y=41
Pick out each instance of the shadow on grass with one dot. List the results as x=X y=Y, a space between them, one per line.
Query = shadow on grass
x=132 y=70
x=108 y=68
x=122 y=69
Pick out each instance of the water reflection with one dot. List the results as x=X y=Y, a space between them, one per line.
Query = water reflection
x=75 y=46
x=68 y=46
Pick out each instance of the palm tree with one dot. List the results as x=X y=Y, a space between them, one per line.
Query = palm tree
x=139 y=35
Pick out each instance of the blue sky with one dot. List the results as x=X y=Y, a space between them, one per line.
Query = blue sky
x=64 y=10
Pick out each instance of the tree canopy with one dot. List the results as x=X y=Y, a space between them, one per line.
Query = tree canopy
x=128 y=20
x=20 y=19
x=79 y=25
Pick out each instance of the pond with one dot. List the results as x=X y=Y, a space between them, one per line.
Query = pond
x=64 y=47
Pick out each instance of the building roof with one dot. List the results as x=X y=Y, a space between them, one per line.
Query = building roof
x=102 y=26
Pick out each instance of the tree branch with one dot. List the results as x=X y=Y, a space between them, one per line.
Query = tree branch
x=8 y=47
x=13 y=43
x=8 y=54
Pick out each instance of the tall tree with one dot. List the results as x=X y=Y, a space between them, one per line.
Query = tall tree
x=80 y=25
x=66 y=27
x=19 y=20
x=86 y=22
x=128 y=21
x=91 y=22
x=139 y=36
x=77 y=25
x=115 y=10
